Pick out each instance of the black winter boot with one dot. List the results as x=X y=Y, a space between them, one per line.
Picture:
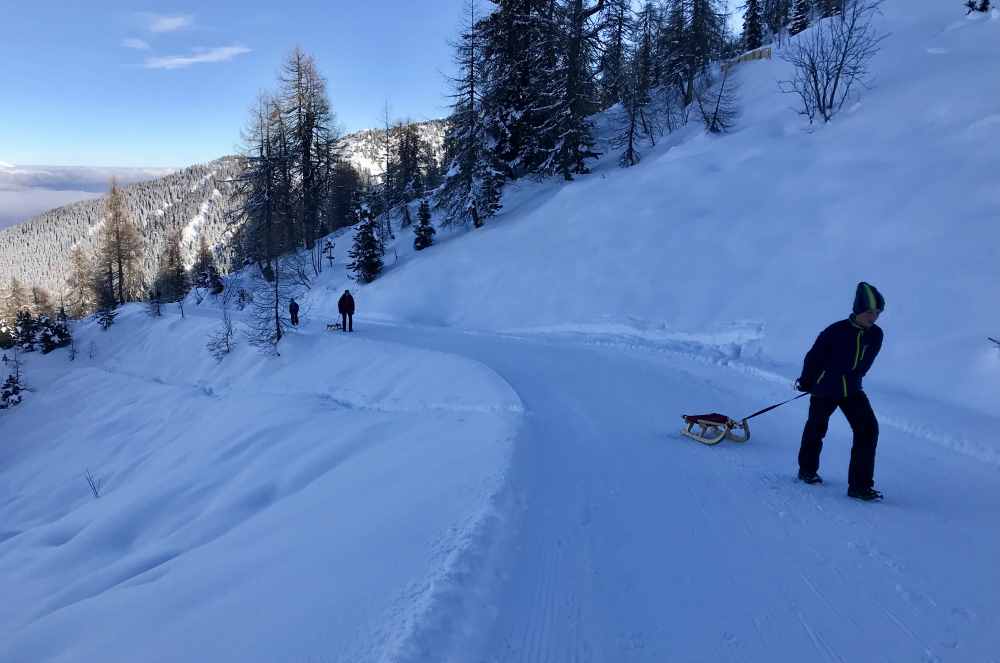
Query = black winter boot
x=864 y=494
x=812 y=478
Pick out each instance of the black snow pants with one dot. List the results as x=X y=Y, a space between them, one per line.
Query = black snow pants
x=862 y=419
x=347 y=321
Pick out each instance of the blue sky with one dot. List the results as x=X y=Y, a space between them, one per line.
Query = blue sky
x=121 y=84
x=108 y=83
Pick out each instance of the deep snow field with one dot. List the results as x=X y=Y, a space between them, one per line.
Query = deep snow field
x=489 y=469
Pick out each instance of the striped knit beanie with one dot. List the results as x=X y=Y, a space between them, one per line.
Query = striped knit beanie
x=867 y=298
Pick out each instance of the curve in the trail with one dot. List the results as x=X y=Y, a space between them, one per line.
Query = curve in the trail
x=630 y=543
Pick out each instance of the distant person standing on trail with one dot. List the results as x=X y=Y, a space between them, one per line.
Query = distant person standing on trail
x=293 y=310
x=832 y=373
x=346 y=308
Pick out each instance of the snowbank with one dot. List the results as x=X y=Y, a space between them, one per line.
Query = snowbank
x=297 y=508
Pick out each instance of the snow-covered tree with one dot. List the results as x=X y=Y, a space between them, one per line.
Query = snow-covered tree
x=753 y=25
x=25 y=331
x=205 y=272
x=51 y=334
x=172 y=282
x=11 y=392
x=424 y=232
x=471 y=189
x=366 y=254
x=800 y=17
x=616 y=26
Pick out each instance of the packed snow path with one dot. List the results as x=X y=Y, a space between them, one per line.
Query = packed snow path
x=630 y=543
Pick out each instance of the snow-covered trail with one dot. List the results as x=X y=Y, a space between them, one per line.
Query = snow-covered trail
x=630 y=543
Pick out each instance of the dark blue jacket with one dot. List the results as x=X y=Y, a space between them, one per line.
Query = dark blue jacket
x=840 y=358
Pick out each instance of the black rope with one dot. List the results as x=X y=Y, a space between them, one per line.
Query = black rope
x=768 y=409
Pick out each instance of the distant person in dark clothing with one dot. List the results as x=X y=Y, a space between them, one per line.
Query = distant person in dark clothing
x=346 y=308
x=293 y=310
x=832 y=373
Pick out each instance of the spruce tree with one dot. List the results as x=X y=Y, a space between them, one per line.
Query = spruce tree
x=753 y=25
x=568 y=100
x=424 y=232
x=205 y=273
x=612 y=71
x=366 y=254
x=24 y=331
x=471 y=190
x=800 y=17
x=52 y=334
x=171 y=278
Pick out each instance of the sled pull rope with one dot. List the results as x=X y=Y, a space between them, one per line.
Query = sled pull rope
x=768 y=409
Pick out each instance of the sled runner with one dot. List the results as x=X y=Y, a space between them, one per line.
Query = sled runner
x=714 y=428
x=334 y=326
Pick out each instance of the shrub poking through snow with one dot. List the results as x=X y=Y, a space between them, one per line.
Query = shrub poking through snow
x=10 y=392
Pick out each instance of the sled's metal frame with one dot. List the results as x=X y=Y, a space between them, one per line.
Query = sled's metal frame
x=712 y=432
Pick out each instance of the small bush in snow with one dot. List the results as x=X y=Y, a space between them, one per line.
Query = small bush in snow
x=832 y=60
x=10 y=392
x=96 y=485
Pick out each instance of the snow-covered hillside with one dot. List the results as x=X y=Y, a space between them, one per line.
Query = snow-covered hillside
x=26 y=191
x=192 y=200
x=769 y=229
x=490 y=469
x=362 y=147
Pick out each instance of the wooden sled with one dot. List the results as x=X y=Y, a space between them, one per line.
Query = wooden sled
x=714 y=428
x=334 y=326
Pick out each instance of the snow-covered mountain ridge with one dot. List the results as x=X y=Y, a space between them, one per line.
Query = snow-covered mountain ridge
x=193 y=200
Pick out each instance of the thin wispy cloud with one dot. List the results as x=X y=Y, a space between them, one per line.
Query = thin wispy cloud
x=168 y=23
x=137 y=44
x=198 y=56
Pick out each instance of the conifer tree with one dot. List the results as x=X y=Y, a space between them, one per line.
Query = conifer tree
x=471 y=190
x=424 y=232
x=15 y=301
x=205 y=272
x=568 y=100
x=52 y=334
x=171 y=282
x=828 y=8
x=311 y=144
x=612 y=71
x=24 y=331
x=121 y=247
x=753 y=25
x=366 y=254
x=776 y=15
x=800 y=17
x=79 y=283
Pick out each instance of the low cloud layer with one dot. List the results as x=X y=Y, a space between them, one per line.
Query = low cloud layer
x=27 y=191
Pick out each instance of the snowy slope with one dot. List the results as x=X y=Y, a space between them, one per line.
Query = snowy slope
x=328 y=495
x=773 y=225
